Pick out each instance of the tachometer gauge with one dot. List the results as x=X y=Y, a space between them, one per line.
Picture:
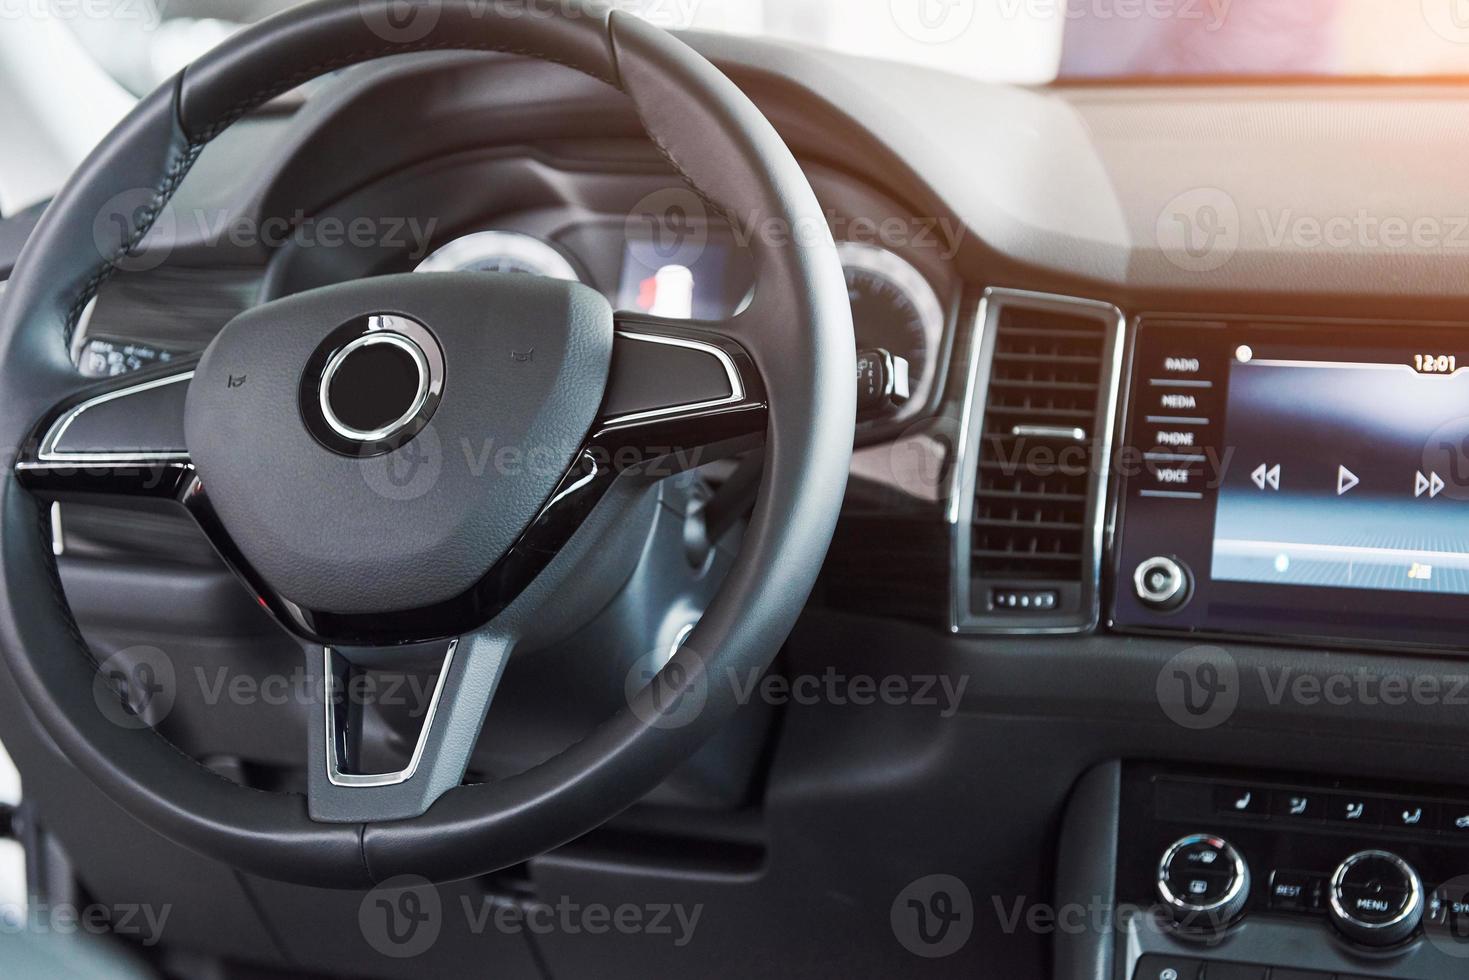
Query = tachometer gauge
x=893 y=306
x=500 y=251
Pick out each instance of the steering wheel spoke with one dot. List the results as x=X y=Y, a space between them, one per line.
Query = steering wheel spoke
x=342 y=787
x=123 y=436
x=680 y=395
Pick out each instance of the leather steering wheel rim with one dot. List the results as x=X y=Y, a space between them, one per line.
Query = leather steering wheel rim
x=725 y=149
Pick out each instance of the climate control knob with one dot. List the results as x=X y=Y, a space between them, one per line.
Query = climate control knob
x=1203 y=881
x=1376 y=898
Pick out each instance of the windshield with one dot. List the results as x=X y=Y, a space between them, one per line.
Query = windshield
x=1019 y=41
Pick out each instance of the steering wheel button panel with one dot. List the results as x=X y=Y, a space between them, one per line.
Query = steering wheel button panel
x=143 y=421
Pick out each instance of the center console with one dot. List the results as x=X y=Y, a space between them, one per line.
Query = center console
x=1295 y=479
x=1228 y=876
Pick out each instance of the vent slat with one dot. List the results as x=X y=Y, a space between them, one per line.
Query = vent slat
x=1015 y=358
x=1033 y=525
x=1079 y=498
x=1029 y=385
x=1029 y=514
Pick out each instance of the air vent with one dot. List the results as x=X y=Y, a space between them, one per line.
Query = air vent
x=1029 y=486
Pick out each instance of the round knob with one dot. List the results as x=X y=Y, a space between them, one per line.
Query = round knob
x=1162 y=584
x=1204 y=881
x=1376 y=898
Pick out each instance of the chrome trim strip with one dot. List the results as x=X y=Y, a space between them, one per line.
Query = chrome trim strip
x=736 y=383
x=369 y=781
x=963 y=619
x=1049 y=432
x=58 y=429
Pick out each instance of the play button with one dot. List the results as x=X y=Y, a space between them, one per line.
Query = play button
x=1346 y=480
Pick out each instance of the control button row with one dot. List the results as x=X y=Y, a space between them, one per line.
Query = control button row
x=1297 y=891
x=1369 y=811
x=1156 y=967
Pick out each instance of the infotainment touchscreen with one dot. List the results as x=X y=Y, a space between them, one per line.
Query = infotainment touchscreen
x=1285 y=479
x=1347 y=469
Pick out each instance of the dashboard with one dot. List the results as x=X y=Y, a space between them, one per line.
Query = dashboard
x=1124 y=467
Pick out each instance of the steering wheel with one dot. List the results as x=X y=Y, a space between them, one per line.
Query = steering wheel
x=277 y=439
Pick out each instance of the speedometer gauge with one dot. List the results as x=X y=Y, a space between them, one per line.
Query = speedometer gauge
x=500 y=251
x=893 y=306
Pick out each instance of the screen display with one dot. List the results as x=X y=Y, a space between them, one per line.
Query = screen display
x=1347 y=470
x=698 y=276
x=1309 y=479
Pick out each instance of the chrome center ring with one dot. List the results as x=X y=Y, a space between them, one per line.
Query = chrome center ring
x=405 y=416
x=372 y=384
